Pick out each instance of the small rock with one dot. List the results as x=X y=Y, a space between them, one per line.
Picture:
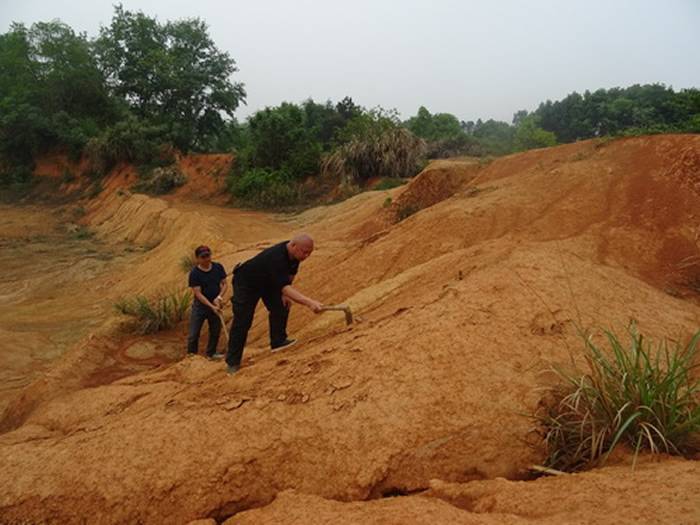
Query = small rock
x=342 y=382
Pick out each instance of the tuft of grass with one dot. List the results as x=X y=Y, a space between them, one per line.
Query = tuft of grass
x=95 y=189
x=404 y=211
x=83 y=233
x=67 y=176
x=388 y=183
x=187 y=262
x=154 y=314
x=639 y=394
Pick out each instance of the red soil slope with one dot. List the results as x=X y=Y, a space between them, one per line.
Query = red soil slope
x=465 y=303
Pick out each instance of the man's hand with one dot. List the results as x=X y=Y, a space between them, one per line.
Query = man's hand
x=287 y=302
x=315 y=306
x=217 y=302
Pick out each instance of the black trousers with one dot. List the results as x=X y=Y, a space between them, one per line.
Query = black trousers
x=201 y=313
x=245 y=299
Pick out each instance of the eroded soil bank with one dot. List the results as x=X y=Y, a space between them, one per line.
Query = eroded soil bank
x=465 y=302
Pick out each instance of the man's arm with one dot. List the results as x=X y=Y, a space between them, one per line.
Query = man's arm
x=197 y=290
x=298 y=297
x=223 y=286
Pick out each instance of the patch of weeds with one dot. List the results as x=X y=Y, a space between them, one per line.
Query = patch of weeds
x=640 y=394
x=94 y=175
x=404 y=211
x=387 y=203
x=603 y=141
x=485 y=161
x=79 y=212
x=68 y=176
x=388 y=183
x=154 y=314
x=82 y=233
x=187 y=262
x=95 y=189
x=160 y=180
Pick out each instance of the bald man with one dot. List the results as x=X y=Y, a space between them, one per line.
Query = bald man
x=268 y=276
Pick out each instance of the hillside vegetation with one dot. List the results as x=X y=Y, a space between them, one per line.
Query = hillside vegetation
x=143 y=90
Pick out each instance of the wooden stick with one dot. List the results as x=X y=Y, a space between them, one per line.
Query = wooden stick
x=546 y=470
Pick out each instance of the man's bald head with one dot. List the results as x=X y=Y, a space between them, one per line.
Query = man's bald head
x=301 y=246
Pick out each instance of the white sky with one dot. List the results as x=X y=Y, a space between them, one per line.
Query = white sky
x=474 y=59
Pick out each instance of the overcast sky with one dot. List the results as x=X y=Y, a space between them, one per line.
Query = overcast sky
x=474 y=59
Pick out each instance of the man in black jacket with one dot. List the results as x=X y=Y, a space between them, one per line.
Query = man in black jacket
x=268 y=276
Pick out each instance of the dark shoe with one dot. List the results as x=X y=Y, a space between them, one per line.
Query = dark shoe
x=216 y=356
x=230 y=370
x=285 y=344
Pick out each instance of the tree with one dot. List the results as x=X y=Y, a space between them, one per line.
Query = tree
x=495 y=136
x=439 y=126
x=281 y=139
x=51 y=91
x=529 y=135
x=171 y=74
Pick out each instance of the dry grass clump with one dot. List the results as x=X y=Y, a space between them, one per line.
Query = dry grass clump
x=393 y=153
x=643 y=395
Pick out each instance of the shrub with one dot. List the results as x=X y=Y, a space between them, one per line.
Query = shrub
x=68 y=176
x=187 y=262
x=389 y=183
x=161 y=180
x=462 y=144
x=155 y=314
x=95 y=189
x=393 y=153
x=83 y=233
x=16 y=175
x=643 y=396
x=404 y=211
x=265 y=188
x=130 y=140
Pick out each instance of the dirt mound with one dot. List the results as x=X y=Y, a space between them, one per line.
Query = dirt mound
x=439 y=181
x=464 y=302
x=205 y=176
x=647 y=494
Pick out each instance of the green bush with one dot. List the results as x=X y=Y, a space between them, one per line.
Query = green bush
x=154 y=314
x=641 y=395
x=265 y=188
x=130 y=140
x=16 y=175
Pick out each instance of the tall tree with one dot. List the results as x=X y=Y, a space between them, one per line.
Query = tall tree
x=170 y=74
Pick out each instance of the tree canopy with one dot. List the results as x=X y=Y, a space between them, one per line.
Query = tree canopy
x=142 y=89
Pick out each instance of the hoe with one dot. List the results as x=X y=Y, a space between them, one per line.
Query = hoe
x=340 y=308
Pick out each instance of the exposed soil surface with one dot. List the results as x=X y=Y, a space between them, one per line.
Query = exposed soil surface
x=413 y=415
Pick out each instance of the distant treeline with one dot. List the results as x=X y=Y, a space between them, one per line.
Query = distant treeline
x=143 y=89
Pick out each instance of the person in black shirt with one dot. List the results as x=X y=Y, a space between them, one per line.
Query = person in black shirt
x=208 y=282
x=268 y=276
